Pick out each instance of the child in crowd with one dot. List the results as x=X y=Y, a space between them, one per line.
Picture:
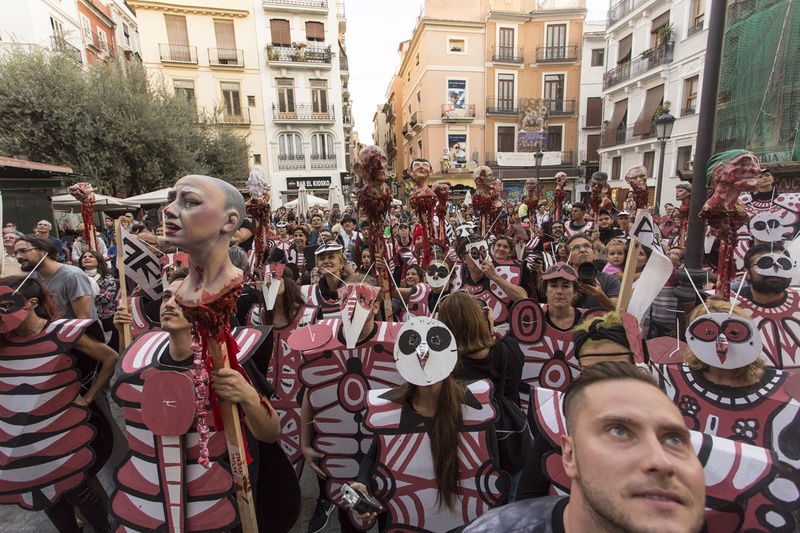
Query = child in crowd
x=616 y=252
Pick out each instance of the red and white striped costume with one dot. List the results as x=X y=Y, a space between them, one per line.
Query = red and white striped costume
x=779 y=325
x=44 y=436
x=404 y=467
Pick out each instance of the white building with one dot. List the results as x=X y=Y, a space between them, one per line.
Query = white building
x=127 y=30
x=307 y=115
x=591 y=98
x=647 y=66
x=52 y=24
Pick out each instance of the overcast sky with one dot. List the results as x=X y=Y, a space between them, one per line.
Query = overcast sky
x=374 y=31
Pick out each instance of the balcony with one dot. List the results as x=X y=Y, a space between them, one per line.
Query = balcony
x=291 y=162
x=416 y=121
x=59 y=44
x=407 y=131
x=621 y=135
x=557 y=54
x=96 y=44
x=178 y=53
x=458 y=114
x=296 y=6
x=390 y=115
x=507 y=54
x=230 y=116
x=697 y=28
x=226 y=57
x=621 y=9
x=502 y=106
x=561 y=107
x=686 y=111
x=648 y=60
x=299 y=55
x=340 y=16
x=319 y=162
x=390 y=148
x=343 y=64
x=300 y=113
x=347 y=120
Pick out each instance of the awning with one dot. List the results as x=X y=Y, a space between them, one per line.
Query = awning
x=620 y=108
x=651 y=102
x=659 y=21
x=624 y=51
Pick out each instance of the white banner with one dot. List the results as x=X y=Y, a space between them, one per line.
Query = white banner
x=526 y=159
x=657 y=270
x=141 y=265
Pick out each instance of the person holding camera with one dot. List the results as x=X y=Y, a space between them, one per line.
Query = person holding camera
x=595 y=288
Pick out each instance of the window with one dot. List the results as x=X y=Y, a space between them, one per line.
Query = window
x=184 y=88
x=698 y=13
x=616 y=167
x=592 y=144
x=417 y=59
x=554 y=138
x=505 y=92
x=624 y=50
x=690 y=95
x=505 y=138
x=231 y=99
x=594 y=112
x=556 y=41
x=226 y=43
x=684 y=158
x=279 y=29
x=322 y=146
x=319 y=96
x=178 y=38
x=456 y=45
x=419 y=145
x=554 y=92
x=251 y=101
x=659 y=22
x=57 y=27
x=649 y=162
x=419 y=96
x=505 y=47
x=86 y=24
x=315 y=32
x=290 y=146
x=285 y=95
x=256 y=159
x=126 y=34
x=598 y=57
x=102 y=40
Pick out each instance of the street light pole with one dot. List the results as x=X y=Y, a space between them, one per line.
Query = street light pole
x=664 y=124
x=538 y=156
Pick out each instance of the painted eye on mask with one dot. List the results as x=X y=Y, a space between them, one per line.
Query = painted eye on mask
x=705 y=330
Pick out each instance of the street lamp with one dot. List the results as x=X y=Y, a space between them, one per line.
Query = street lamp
x=538 y=156
x=664 y=125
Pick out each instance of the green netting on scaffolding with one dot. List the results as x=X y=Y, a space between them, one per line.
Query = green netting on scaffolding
x=759 y=94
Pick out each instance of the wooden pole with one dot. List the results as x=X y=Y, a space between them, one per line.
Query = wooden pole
x=127 y=337
x=626 y=288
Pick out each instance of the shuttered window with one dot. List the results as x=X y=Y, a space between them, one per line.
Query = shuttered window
x=315 y=31
x=594 y=112
x=279 y=29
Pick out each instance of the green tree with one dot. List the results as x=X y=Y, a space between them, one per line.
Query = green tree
x=122 y=129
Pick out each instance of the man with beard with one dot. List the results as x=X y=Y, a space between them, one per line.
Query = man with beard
x=629 y=459
x=772 y=303
x=550 y=241
x=68 y=285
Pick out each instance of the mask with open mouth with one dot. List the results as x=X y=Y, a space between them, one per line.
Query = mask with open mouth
x=12 y=309
x=478 y=251
x=356 y=303
x=273 y=277
x=724 y=342
x=425 y=351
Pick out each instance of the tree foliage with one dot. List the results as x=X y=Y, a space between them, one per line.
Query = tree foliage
x=123 y=130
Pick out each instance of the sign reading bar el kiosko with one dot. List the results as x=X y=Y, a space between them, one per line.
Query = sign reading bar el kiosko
x=323 y=182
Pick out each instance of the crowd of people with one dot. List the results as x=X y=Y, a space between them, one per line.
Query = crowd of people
x=493 y=384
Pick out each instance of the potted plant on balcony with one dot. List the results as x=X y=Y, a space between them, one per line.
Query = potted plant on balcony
x=301 y=51
x=272 y=53
x=665 y=34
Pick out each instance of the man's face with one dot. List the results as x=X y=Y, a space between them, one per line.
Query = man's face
x=557 y=230
x=501 y=250
x=365 y=232
x=604 y=221
x=348 y=226
x=9 y=238
x=109 y=222
x=766 y=284
x=325 y=236
x=335 y=207
x=316 y=222
x=631 y=461
x=172 y=318
x=403 y=232
x=197 y=213
x=580 y=251
x=578 y=214
x=624 y=222
x=668 y=209
x=26 y=255
x=42 y=228
x=675 y=256
x=764 y=180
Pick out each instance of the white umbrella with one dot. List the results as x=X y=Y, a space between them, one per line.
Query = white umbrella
x=313 y=201
x=302 y=201
x=154 y=197
x=335 y=196
x=64 y=202
x=395 y=201
x=468 y=198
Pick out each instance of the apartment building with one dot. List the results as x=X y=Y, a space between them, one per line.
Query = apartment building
x=308 y=126
x=127 y=29
x=97 y=29
x=591 y=100
x=52 y=24
x=207 y=51
x=655 y=51
x=401 y=184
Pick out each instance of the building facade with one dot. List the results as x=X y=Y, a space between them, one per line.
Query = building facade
x=591 y=102
x=97 y=30
x=52 y=24
x=655 y=51
x=127 y=29
x=308 y=124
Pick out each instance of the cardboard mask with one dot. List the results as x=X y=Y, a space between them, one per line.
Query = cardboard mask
x=478 y=251
x=425 y=351
x=12 y=309
x=724 y=342
x=437 y=275
x=775 y=265
x=767 y=227
x=273 y=277
x=356 y=304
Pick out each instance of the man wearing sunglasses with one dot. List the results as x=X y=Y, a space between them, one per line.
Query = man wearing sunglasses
x=773 y=304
